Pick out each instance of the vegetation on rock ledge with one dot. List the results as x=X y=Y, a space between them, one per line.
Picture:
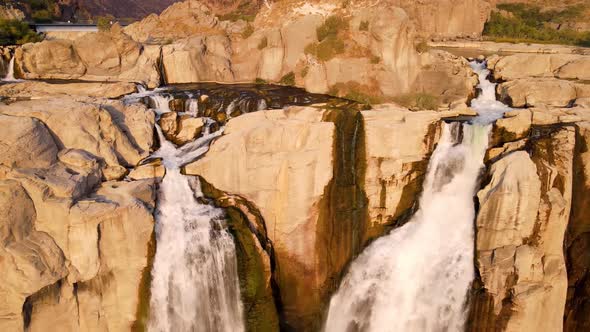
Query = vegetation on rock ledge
x=13 y=32
x=526 y=23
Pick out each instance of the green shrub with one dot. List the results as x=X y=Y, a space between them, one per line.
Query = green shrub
x=375 y=59
x=104 y=22
x=248 y=31
x=259 y=80
x=330 y=28
x=364 y=26
x=263 y=43
x=288 y=79
x=326 y=49
x=530 y=24
x=14 y=32
x=420 y=101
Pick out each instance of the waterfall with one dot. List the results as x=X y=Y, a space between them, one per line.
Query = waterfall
x=417 y=278
x=195 y=285
x=10 y=73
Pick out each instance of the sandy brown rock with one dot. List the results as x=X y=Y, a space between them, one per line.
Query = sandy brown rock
x=517 y=66
x=102 y=56
x=398 y=144
x=524 y=211
x=535 y=92
x=281 y=161
x=25 y=142
x=30 y=260
x=80 y=125
x=148 y=171
x=39 y=90
x=447 y=18
x=515 y=125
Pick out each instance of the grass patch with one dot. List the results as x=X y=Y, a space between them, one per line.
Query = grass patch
x=263 y=43
x=364 y=26
x=288 y=79
x=355 y=91
x=248 y=31
x=375 y=59
x=259 y=80
x=14 y=32
x=326 y=49
x=422 y=47
x=330 y=28
x=530 y=24
x=418 y=101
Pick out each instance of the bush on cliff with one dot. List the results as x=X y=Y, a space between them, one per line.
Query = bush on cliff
x=527 y=23
x=14 y=32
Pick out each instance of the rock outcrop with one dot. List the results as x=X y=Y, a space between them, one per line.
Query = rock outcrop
x=554 y=80
x=38 y=90
x=447 y=18
x=82 y=125
x=102 y=56
x=325 y=181
x=523 y=214
x=74 y=250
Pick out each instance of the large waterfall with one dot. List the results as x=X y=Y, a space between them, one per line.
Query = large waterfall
x=195 y=283
x=417 y=277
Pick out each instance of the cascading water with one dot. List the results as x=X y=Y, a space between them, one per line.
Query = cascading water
x=195 y=285
x=417 y=277
x=10 y=72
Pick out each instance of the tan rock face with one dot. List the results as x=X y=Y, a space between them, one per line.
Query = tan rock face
x=38 y=90
x=378 y=60
x=524 y=211
x=300 y=168
x=517 y=66
x=447 y=18
x=100 y=56
x=398 y=145
x=80 y=125
x=282 y=162
x=25 y=142
x=29 y=259
x=514 y=126
x=535 y=92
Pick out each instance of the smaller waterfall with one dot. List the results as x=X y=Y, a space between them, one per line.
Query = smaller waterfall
x=195 y=286
x=10 y=73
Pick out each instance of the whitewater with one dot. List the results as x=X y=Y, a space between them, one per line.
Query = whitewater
x=417 y=278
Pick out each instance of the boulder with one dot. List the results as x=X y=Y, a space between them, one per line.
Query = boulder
x=517 y=66
x=514 y=126
x=25 y=142
x=534 y=92
x=189 y=129
x=148 y=171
